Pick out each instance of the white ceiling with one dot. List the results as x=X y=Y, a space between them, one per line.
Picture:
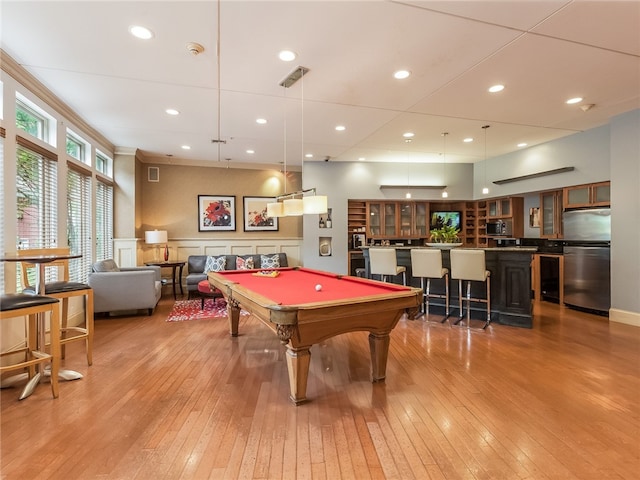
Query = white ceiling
x=544 y=52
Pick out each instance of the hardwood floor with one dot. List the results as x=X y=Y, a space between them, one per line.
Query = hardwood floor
x=185 y=401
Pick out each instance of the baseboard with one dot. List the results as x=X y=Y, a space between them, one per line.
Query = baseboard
x=622 y=316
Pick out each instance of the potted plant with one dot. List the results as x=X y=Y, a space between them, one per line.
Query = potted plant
x=445 y=236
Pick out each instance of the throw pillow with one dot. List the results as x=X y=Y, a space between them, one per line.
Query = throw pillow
x=106 y=266
x=215 y=264
x=244 y=263
x=269 y=261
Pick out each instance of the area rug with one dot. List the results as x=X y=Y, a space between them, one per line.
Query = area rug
x=190 y=310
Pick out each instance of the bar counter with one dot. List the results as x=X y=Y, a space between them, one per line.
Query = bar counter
x=510 y=267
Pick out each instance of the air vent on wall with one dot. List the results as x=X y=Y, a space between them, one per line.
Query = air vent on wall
x=153 y=174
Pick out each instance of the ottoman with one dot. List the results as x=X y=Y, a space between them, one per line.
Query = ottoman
x=205 y=291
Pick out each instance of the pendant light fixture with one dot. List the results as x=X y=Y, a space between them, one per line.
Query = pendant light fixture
x=444 y=165
x=485 y=189
x=295 y=203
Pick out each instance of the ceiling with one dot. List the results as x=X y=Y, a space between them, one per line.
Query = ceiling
x=544 y=52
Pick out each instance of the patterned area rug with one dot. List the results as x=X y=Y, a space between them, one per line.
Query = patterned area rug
x=190 y=310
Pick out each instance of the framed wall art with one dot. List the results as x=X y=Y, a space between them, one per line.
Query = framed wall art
x=255 y=215
x=216 y=213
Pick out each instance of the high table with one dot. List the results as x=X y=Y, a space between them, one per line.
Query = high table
x=41 y=262
x=304 y=307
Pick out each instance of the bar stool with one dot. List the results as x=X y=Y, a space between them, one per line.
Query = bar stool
x=426 y=263
x=63 y=290
x=469 y=265
x=30 y=306
x=383 y=262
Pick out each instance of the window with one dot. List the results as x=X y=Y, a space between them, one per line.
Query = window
x=104 y=164
x=75 y=147
x=36 y=198
x=32 y=122
x=79 y=224
x=104 y=220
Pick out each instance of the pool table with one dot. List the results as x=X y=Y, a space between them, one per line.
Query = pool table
x=304 y=307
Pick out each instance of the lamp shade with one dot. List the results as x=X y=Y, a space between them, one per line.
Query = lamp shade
x=156 y=236
x=275 y=209
x=315 y=204
x=293 y=207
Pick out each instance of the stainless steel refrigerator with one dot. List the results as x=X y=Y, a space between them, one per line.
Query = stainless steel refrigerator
x=587 y=278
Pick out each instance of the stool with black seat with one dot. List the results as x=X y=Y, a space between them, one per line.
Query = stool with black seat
x=383 y=262
x=426 y=264
x=470 y=266
x=63 y=290
x=30 y=307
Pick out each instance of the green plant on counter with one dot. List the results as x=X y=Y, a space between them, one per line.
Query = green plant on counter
x=446 y=234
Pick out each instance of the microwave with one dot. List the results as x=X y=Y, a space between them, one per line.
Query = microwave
x=500 y=227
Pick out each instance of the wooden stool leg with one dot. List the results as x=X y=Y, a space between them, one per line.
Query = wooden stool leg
x=63 y=321
x=55 y=350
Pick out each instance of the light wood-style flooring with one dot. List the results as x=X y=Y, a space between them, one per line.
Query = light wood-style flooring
x=186 y=401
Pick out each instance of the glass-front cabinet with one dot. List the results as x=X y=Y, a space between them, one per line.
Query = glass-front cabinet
x=414 y=219
x=551 y=214
x=499 y=208
x=589 y=195
x=381 y=219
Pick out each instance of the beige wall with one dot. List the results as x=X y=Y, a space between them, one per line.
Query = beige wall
x=172 y=203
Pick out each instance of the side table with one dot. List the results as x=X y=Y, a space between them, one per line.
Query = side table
x=174 y=266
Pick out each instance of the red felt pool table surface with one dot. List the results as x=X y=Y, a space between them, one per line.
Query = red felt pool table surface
x=296 y=286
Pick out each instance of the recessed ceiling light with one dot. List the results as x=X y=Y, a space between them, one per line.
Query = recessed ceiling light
x=186 y=147
x=172 y=111
x=287 y=55
x=496 y=88
x=250 y=152
x=361 y=159
x=261 y=121
x=140 y=32
x=522 y=145
x=408 y=135
x=401 y=74
x=468 y=140
x=571 y=101
x=309 y=155
x=341 y=128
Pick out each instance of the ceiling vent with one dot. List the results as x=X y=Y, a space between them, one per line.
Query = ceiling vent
x=294 y=76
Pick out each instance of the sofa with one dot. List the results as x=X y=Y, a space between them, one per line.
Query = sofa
x=196 y=265
x=124 y=288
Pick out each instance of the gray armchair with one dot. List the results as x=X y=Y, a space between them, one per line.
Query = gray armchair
x=117 y=289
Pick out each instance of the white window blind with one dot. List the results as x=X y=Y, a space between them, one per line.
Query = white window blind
x=104 y=221
x=79 y=224
x=37 y=212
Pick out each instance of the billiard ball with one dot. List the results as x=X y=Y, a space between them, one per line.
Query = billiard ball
x=318 y=287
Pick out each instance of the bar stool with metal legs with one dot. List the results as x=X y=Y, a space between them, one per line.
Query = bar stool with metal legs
x=383 y=262
x=33 y=347
x=426 y=263
x=469 y=265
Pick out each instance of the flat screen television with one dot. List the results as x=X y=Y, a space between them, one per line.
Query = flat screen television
x=440 y=219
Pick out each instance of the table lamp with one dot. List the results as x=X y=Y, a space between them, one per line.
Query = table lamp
x=157 y=237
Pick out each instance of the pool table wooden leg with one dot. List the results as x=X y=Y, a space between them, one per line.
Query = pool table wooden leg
x=379 y=347
x=233 y=312
x=298 y=366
